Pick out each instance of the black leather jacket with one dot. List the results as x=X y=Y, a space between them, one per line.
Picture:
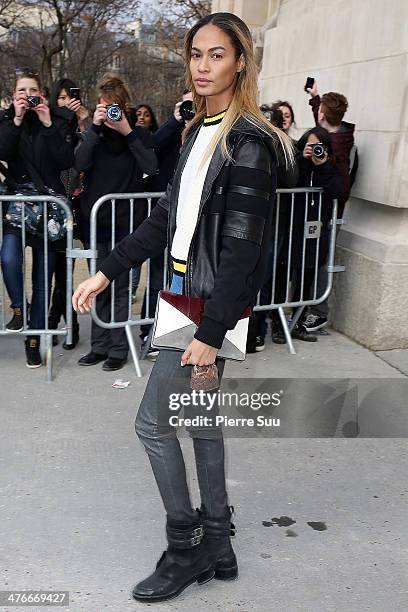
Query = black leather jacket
x=227 y=256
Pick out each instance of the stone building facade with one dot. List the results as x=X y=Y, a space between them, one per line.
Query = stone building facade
x=358 y=48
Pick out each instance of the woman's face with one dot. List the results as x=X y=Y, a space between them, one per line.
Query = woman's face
x=26 y=87
x=63 y=98
x=287 y=117
x=312 y=139
x=213 y=62
x=144 y=118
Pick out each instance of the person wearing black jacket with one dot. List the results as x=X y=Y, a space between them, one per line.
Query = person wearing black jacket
x=314 y=172
x=78 y=118
x=37 y=144
x=113 y=156
x=215 y=218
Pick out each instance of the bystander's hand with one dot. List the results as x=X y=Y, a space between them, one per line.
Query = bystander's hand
x=177 y=111
x=20 y=107
x=99 y=114
x=43 y=112
x=121 y=126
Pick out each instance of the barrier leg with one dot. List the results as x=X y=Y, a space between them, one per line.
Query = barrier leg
x=286 y=331
x=147 y=344
x=133 y=351
x=48 y=356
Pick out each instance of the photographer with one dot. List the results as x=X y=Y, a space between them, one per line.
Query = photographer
x=286 y=178
x=113 y=156
x=317 y=168
x=37 y=144
x=63 y=103
x=328 y=112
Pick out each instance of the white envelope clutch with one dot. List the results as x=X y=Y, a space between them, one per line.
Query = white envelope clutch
x=178 y=317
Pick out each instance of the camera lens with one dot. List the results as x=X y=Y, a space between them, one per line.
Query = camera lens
x=318 y=150
x=187 y=110
x=114 y=112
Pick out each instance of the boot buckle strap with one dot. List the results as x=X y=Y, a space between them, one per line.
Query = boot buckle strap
x=197 y=536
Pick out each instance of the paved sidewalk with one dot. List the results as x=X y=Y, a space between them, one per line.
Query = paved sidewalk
x=80 y=511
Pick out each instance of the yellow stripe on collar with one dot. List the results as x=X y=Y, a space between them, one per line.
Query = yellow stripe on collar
x=179 y=267
x=214 y=118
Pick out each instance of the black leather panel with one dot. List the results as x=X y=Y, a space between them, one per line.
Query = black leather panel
x=243 y=225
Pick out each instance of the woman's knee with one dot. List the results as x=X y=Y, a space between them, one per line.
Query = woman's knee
x=147 y=430
x=10 y=251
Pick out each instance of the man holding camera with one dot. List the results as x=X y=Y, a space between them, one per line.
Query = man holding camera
x=328 y=112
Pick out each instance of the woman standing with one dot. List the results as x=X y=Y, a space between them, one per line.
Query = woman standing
x=72 y=109
x=37 y=144
x=314 y=171
x=113 y=156
x=215 y=218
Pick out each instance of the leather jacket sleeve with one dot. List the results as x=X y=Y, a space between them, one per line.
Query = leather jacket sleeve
x=148 y=240
x=249 y=202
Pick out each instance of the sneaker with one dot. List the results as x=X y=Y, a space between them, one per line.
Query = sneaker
x=32 y=350
x=259 y=344
x=278 y=337
x=313 y=322
x=299 y=333
x=17 y=322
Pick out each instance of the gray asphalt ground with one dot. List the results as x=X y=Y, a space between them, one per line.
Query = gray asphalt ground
x=80 y=510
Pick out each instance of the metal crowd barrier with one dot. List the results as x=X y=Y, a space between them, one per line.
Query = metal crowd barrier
x=312 y=231
x=45 y=333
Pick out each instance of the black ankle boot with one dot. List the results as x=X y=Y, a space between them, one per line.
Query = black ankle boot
x=217 y=535
x=185 y=561
x=75 y=339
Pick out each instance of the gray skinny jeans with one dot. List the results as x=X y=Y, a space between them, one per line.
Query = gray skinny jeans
x=163 y=448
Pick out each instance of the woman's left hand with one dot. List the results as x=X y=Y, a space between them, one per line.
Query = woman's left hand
x=121 y=126
x=43 y=112
x=198 y=353
x=318 y=161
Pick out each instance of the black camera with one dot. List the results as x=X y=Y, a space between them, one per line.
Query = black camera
x=318 y=150
x=114 y=112
x=187 y=111
x=273 y=115
x=33 y=101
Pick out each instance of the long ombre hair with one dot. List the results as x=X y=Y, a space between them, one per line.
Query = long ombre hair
x=244 y=102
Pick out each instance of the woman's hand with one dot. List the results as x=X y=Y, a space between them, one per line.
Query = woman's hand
x=74 y=105
x=44 y=113
x=198 y=353
x=318 y=161
x=82 y=113
x=176 y=113
x=121 y=126
x=99 y=114
x=20 y=107
x=87 y=291
x=308 y=151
